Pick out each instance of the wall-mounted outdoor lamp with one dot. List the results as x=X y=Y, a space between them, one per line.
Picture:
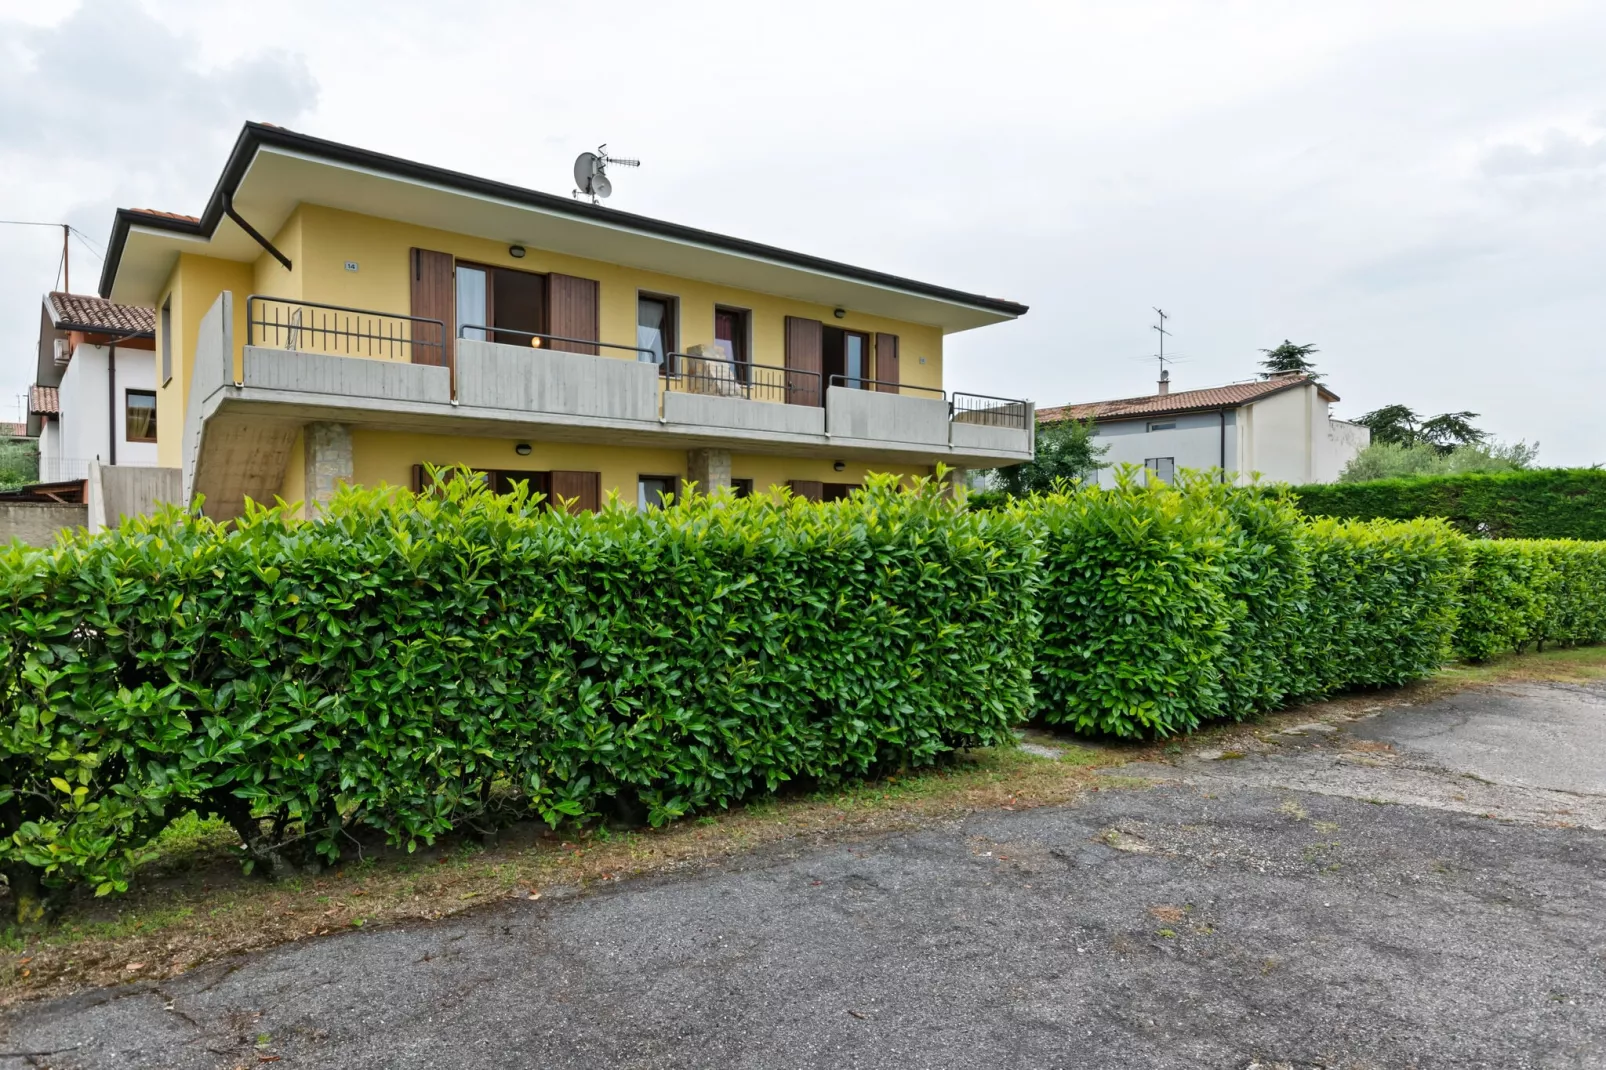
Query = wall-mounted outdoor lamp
x=522 y=449
x=839 y=466
x=840 y=313
x=516 y=252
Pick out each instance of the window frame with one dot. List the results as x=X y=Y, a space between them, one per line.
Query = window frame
x=741 y=487
x=128 y=423
x=671 y=329
x=665 y=499
x=167 y=339
x=1152 y=464
x=743 y=342
x=1162 y=425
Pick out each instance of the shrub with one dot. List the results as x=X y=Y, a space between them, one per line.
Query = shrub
x=407 y=665
x=1164 y=607
x=1527 y=593
x=1555 y=503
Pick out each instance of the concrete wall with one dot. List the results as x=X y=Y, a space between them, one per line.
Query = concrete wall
x=211 y=365
x=1194 y=443
x=544 y=380
x=38 y=523
x=318 y=373
x=1286 y=426
x=708 y=410
x=876 y=417
x=118 y=491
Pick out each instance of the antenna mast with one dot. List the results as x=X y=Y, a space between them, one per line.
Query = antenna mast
x=1160 y=328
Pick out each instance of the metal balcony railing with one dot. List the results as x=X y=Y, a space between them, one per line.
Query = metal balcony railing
x=885 y=386
x=687 y=373
x=309 y=326
x=990 y=411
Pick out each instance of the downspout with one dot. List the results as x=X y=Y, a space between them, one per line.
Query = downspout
x=1223 y=445
x=111 y=400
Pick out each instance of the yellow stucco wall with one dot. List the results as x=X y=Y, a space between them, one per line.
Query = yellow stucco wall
x=328 y=238
x=387 y=457
x=193 y=286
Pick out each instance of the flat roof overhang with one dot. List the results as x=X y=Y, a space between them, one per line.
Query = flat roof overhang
x=272 y=171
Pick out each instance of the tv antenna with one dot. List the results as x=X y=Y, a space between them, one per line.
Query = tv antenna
x=1159 y=328
x=591 y=173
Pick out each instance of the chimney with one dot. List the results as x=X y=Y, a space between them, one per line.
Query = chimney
x=1165 y=383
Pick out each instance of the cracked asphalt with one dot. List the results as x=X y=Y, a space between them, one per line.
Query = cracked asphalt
x=1419 y=888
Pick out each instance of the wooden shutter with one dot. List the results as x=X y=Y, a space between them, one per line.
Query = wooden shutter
x=432 y=298
x=584 y=487
x=811 y=490
x=805 y=352
x=572 y=311
x=886 y=363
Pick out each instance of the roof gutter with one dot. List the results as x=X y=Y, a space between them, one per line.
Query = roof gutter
x=256 y=136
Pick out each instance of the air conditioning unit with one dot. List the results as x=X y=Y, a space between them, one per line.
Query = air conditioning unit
x=63 y=352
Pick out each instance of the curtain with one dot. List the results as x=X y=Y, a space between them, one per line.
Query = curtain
x=650 y=317
x=471 y=306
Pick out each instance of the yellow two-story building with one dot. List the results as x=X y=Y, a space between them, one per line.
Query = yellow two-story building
x=337 y=315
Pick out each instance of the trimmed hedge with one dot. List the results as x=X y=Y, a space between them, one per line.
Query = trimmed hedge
x=1528 y=593
x=409 y=665
x=1168 y=606
x=1556 y=503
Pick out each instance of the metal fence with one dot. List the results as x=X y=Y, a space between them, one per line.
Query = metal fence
x=991 y=412
x=308 y=326
x=62 y=469
x=690 y=374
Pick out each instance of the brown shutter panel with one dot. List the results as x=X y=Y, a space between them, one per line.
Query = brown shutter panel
x=584 y=487
x=431 y=277
x=572 y=311
x=886 y=363
x=811 y=490
x=805 y=352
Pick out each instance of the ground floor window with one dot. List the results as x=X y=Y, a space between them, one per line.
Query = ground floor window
x=655 y=492
x=1165 y=468
x=140 y=416
x=742 y=488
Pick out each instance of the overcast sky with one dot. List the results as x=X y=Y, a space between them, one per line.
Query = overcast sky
x=1417 y=188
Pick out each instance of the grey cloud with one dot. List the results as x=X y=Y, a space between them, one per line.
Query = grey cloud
x=1559 y=154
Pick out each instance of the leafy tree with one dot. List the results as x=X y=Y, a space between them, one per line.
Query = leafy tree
x=19 y=462
x=1452 y=430
x=1289 y=358
x=1393 y=460
x=1395 y=425
x=1066 y=451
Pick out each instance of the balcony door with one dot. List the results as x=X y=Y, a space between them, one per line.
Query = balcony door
x=845 y=353
x=499 y=304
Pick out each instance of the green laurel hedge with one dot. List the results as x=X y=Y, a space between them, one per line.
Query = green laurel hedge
x=1550 y=503
x=1168 y=606
x=413 y=665
x=1522 y=594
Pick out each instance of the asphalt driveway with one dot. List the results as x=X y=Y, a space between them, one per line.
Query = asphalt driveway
x=1421 y=888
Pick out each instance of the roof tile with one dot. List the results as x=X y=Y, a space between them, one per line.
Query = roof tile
x=43 y=401
x=80 y=311
x=1212 y=397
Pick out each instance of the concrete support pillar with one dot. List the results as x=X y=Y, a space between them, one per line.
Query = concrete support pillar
x=953 y=483
x=710 y=469
x=328 y=450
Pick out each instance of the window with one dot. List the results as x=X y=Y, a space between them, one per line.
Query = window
x=1167 y=425
x=655 y=326
x=730 y=338
x=654 y=492
x=845 y=357
x=139 y=416
x=473 y=304
x=742 y=488
x=167 y=341
x=1164 y=468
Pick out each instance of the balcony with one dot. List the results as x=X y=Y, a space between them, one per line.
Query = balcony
x=305 y=362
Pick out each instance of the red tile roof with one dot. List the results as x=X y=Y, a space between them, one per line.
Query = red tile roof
x=43 y=401
x=167 y=215
x=11 y=430
x=82 y=312
x=1208 y=399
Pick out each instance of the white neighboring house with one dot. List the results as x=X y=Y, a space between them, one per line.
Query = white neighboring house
x=1279 y=428
x=94 y=394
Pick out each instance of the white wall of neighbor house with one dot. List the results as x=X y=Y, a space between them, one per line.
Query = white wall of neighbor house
x=1286 y=429
x=89 y=418
x=1193 y=441
x=1344 y=440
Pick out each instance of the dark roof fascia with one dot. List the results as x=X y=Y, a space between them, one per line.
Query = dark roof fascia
x=257 y=135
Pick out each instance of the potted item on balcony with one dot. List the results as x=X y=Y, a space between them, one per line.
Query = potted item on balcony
x=708 y=371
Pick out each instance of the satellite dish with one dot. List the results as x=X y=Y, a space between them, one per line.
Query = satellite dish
x=591 y=173
x=586 y=166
